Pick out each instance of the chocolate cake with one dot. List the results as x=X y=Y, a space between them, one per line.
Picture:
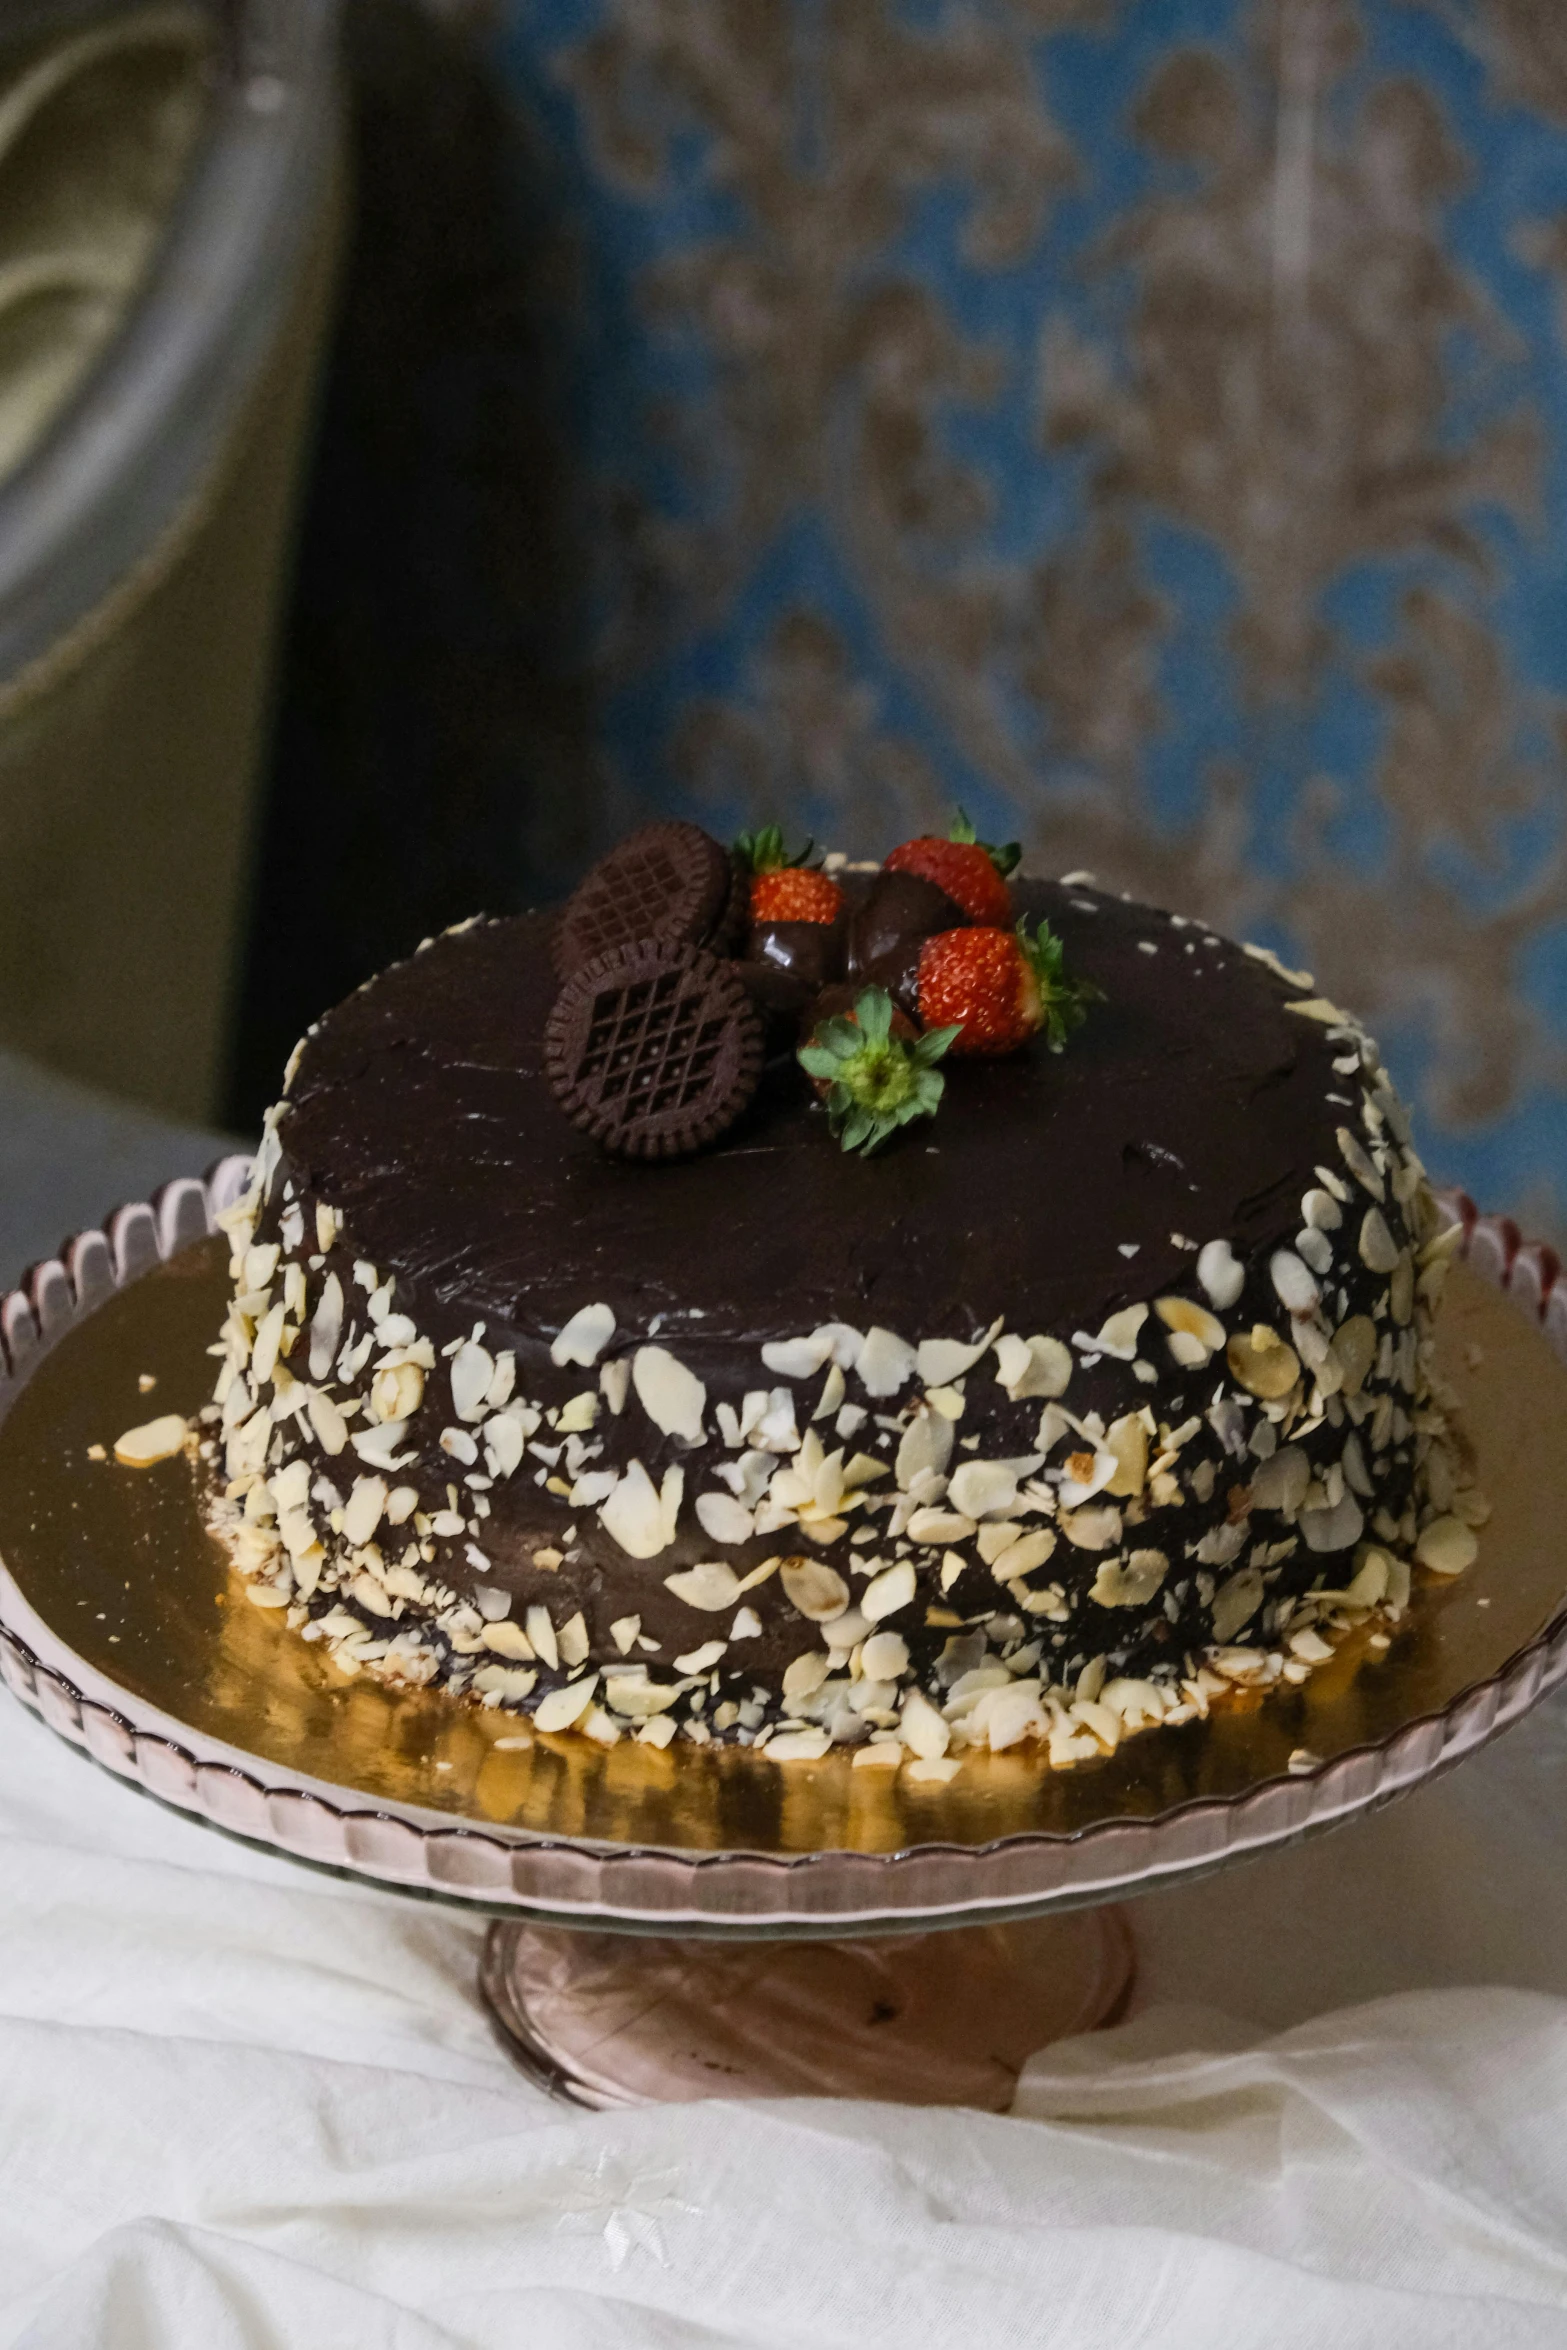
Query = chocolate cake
x=1094 y=1394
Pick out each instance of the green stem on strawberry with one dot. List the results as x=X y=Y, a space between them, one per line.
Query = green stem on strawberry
x=1063 y=1002
x=764 y=851
x=876 y=1081
x=1005 y=856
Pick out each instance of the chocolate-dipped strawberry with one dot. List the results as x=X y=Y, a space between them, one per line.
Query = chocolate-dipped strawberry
x=973 y=872
x=871 y=1066
x=992 y=989
x=796 y=912
x=887 y=929
x=811 y=952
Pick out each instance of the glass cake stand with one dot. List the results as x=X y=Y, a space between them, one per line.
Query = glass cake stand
x=701 y=1921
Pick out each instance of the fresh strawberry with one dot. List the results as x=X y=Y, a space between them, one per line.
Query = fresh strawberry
x=795 y=893
x=784 y=887
x=971 y=871
x=999 y=988
x=874 y=1070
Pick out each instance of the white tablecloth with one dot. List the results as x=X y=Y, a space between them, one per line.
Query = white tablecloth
x=243 y=2106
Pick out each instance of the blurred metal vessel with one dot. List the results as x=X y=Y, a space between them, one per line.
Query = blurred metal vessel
x=142 y=543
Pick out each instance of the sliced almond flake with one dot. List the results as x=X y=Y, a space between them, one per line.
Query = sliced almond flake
x=624 y=1632
x=885 y=1657
x=1359 y=1164
x=633 y=1515
x=638 y=1698
x=832 y=1393
x=1378 y=1249
x=561 y=1708
x=1337 y=1526
x=1094 y=1528
x=472 y=1369
x=1318 y=1007
x=670 y=1493
x=503 y=1443
x=940 y=1526
x=1127 y=1439
x=1033 y=1366
x=584 y=1337
x=1262 y=1363
x=814 y=1589
x=327 y=1422
x=1137 y=1703
x=540 y=1630
x=746 y=1626
x=889 y=1591
x=886 y=1362
x=672 y=1397
x=981 y=1489
x=1314 y=1248
x=941 y=1360
x=934 y=1770
x=269 y=1336
x=992 y=1539
x=396 y=1392
x=1118 y=1335
x=1447 y=1546
x=711 y=1587
x=1221 y=1274
x=922 y=1728
x=615 y=1384
x=509 y=1640
x=879 y=1754
x=723 y=1518
x=806 y=1745
x=1293 y=1282
x=1195 y=1334
x=155 y=1440
x=1023 y=1555
x=924 y=1448
x=804 y=1674
x=592 y=1488
x=1301 y=979
x=797 y=1358
x=1321 y=1209
x=702 y=1660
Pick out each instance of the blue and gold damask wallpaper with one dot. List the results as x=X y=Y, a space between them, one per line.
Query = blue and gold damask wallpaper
x=1144 y=421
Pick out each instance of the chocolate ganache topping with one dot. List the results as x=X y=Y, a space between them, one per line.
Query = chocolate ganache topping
x=1027 y=1425
x=1049 y=1188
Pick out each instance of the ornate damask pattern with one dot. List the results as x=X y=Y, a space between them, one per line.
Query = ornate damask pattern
x=1145 y=425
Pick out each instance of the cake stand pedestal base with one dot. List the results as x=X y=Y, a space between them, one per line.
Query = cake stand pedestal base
x=944 y=2018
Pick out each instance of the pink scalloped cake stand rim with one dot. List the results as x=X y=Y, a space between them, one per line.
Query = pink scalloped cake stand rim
x=499 y=1871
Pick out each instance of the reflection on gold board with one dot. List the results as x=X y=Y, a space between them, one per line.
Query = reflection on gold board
x=119 y=1566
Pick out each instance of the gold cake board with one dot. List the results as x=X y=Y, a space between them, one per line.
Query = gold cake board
x=121 y=1622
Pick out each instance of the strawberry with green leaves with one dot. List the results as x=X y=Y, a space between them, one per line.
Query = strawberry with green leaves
x=874 y=1071
x=996 y=988
x=785 y=887
x=971 y=871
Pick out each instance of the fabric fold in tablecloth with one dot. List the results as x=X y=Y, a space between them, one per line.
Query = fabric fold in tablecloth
x=244 y=2106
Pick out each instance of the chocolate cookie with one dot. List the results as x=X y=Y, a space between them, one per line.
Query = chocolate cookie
x=668 y=881
x=654 y=1049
